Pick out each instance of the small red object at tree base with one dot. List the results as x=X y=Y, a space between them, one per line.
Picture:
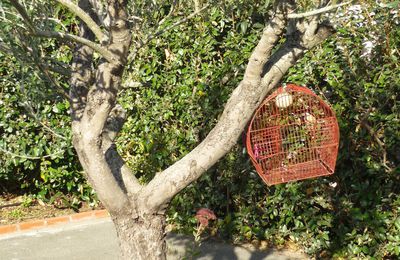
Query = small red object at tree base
x=203 y=215
x=293 y=135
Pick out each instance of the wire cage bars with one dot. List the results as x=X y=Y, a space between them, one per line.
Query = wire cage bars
x=293 y=135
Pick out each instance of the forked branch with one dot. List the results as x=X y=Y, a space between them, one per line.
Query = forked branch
x=238 y=110
x=91 y=24
x=270 y=36
x=109 y=56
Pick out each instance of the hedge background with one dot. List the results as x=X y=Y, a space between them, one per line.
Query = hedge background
x=176 y=87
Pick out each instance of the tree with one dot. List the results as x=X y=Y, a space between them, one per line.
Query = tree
x=137 y=209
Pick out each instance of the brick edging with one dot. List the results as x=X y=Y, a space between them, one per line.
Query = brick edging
x=42 y=223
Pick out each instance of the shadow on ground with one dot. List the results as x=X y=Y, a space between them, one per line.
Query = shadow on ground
x=96 y=239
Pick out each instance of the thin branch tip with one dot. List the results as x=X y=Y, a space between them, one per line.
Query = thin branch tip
x=317 y=11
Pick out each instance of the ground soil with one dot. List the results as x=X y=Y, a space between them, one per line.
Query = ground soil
x=16 y=209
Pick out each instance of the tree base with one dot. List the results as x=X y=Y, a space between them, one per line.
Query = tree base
x=141 y=238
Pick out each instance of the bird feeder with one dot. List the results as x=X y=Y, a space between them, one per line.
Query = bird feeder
x=293 y=135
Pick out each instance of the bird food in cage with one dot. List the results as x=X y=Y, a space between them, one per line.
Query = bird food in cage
x=293 y=135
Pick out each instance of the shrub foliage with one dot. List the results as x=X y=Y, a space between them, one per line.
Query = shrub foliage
x=175 y=89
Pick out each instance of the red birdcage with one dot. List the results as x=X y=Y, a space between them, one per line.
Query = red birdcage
x=293 y=135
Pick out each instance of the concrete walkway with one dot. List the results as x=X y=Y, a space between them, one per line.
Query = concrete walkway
x=96 y=239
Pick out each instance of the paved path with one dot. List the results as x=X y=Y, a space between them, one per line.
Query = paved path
x=96 y=239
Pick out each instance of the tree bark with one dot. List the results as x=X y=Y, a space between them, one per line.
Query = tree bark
x=96 y=115
x=136 y=209
x=141 y=238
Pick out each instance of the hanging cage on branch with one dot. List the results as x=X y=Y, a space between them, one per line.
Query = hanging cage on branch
x=293 y=135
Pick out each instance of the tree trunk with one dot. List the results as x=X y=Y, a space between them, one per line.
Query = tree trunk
x=141 y=238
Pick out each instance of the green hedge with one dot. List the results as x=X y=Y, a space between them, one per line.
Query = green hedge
x=185 y=76
x=353 y=213
x=35 y=146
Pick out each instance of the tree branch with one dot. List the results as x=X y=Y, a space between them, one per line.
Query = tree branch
x=37 y=62
x=109 y=56
x=120 y=170
x=98 y=9
x=373 y=133
x=57 y=69
x=60 y=89
x=238 y=110
x=271 y=33
x=83 y=16
x=317 y=11
x=171 y=10
x=21 y=10
x=105 y=169
x=159 y=32
x=23 y=156
x=5 y=49
x=379 y=142
x=91 y=24
x=184 y=20
x=34 y=115
x=98 y=173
